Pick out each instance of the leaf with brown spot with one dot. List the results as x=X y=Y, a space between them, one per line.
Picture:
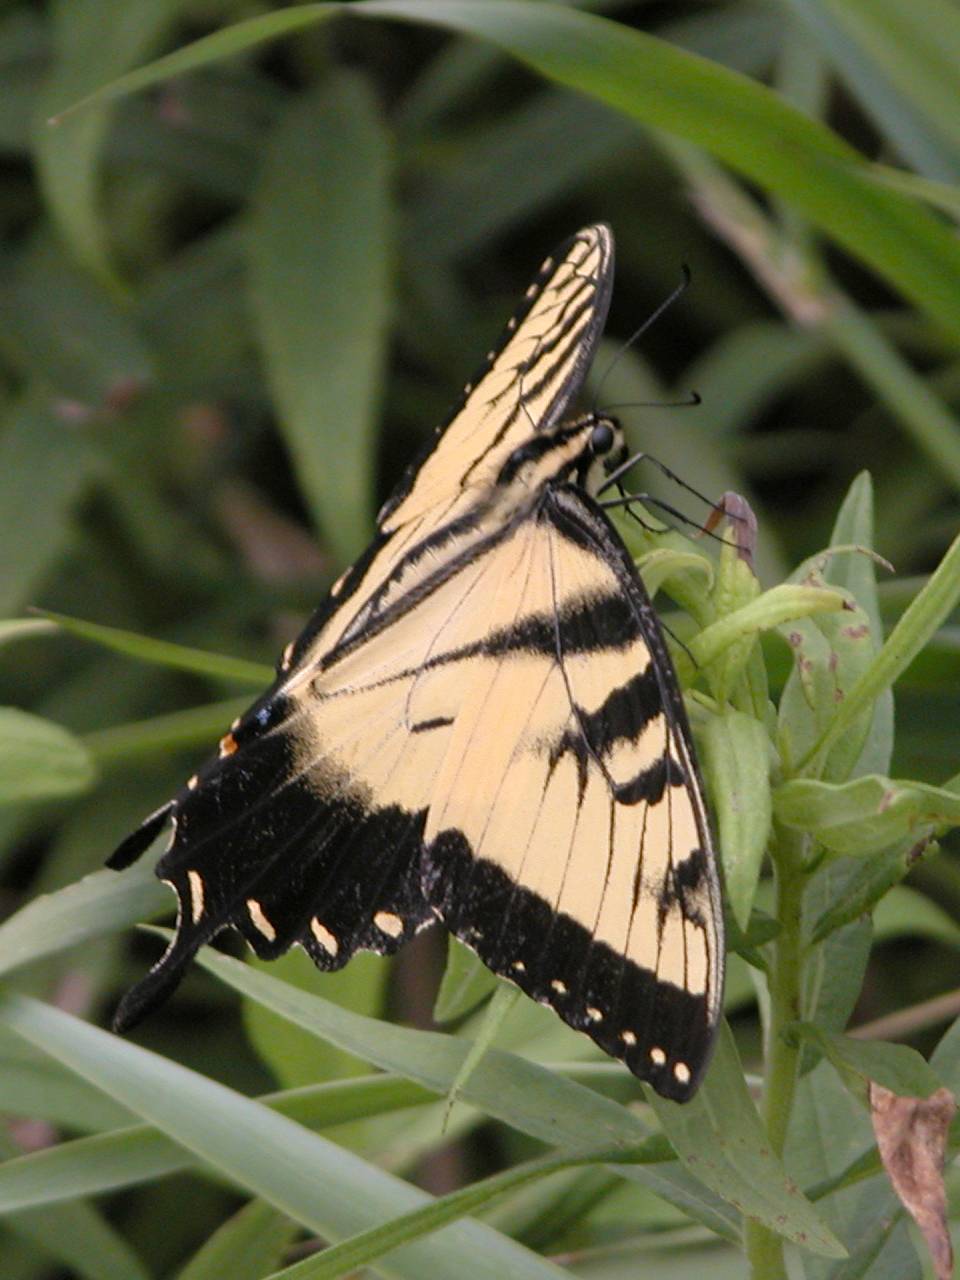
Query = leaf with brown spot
x=912 y=1139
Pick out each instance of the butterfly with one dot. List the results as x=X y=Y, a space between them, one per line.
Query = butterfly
x=480 y=725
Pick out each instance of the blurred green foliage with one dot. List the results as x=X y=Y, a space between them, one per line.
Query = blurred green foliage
x=237 y=291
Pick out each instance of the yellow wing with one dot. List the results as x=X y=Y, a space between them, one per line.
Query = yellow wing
x=480 y=724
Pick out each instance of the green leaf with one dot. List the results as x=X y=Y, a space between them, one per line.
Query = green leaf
x=25 y=629
x=905 y=913
x=246 y=1247
x=901 y=61
x=75 y=1235
x=294 y=1056
x=67 y=155
x=323 y=1186
x=832 y=1150
x=919 y=622
x=737 y=763
x=69 y=334
x=34 y=518
x=161 y=652
x=99 y=904
x=895 y=1066
x=665 y=563
x=857 y=573
x=195 y=727
x=780 y=604
x=864 y=884
x=831 y=652
x=349 y=1256
x=319 y=252
x=719 y=1137
x=40 y=760
x=466 y=982
x=867 y=814
x=507 y=1087
x=737 y=120
x=37 y=1088
x=834 y=970
x=139 y=1153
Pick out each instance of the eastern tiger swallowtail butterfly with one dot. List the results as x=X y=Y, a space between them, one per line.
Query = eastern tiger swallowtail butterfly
x=480 y=725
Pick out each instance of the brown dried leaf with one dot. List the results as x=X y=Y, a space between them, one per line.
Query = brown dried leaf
x=912 y=1140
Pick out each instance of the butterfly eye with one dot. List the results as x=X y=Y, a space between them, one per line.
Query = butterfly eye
x=601 y=439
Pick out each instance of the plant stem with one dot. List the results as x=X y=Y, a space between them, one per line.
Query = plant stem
x=764 y=1247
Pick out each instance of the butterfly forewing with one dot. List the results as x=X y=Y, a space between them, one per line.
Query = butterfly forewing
x=480 y=724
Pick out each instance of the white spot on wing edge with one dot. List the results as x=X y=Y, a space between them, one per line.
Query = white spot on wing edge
x=682 y=1072
x=657 y=1056
x=195 y=881
x=559 y=987
x=594 y=1014
x=260 y=921
x=324 y=936
x=628 y=1038
x=388 y=923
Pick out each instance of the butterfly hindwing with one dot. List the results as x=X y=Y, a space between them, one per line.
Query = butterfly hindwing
x=566 y=840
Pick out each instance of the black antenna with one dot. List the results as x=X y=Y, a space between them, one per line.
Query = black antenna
x=693 y=399
x=638 y=333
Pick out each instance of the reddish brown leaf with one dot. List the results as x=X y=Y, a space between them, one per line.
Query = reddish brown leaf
x=912 y=1140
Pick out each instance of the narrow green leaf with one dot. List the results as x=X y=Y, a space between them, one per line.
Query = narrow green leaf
x=25 y=629
x=37 y=1088
x=666 y=563
x=293 y=1056
x=867 y=814
x=918 y=624
x=834 y=970
x=313 y=1181
x=857 y=573
x=101 y=903
x=831 y=652
x=67 y=156
x=195 y=727
x=737 y=763
x=163 y=653
x=510 y=1088
x=246 y=1247
x=40 y=760
x=736 y=119
x=34 y=533
x=363 y=1249
x=901 y=60
x=76 y=1235
x=319 y=252
x=895 y=1066
x=832 y=1151
x=719 y=1137
x=139 y=1153
x=865 y=883
x=907 y=913
x=466 y=982
x=784 y=603
x=68 y=333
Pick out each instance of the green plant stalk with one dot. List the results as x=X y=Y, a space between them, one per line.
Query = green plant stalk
x=765 y=1247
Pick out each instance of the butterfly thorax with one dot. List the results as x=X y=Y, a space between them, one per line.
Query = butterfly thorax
x=582 y=451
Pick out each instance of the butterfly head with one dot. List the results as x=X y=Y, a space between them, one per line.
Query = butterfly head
x=604 y=449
